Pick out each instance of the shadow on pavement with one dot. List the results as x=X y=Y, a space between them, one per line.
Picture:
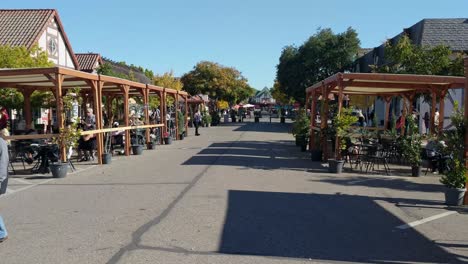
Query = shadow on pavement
x=266 y=155
x=265 y=127
x=386 y=183
x=322 y=227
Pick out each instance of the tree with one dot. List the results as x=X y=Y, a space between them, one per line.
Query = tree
x=279 y=95
x=321 y=56
x=407 y=58
x=219 y=82
x=21 y=57
x=168 y=80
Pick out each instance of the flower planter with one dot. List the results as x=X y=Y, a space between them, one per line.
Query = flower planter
x=150 y=145
x=181 y=136
x=416 y=171
x=106 y=158
x=454 y=196
x=137 y=149
x=59 y=170
x=316 y=155
x=335 y=166
x=304 y=146
x=168 y=140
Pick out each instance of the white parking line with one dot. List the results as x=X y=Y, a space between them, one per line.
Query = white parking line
x=9 y=191
x=21 y=181
x=425 y=220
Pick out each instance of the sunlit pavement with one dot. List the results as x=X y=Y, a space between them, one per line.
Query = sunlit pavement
x=239 y=193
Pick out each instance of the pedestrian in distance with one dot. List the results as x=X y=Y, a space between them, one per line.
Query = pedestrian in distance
x=197 y=120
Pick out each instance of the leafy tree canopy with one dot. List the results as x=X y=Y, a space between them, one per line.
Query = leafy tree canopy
x=279 y=95
x=219 y=82
x=323 y=54
x=406 y=57
x=21 y=57
x=167 y=80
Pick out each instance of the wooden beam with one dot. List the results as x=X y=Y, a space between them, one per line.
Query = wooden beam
x=324 y=123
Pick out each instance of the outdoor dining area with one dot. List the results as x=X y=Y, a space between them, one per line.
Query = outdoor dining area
x=91 y=117
x=339 y=135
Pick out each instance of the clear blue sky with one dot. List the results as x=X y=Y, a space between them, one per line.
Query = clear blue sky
x=246 y=34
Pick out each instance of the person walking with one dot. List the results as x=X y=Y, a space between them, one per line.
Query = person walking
x=197 y=121
x=4 y=160
x=426 y=122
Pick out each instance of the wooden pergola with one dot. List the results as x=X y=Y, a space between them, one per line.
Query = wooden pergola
x=59 y=80
x=385 y=86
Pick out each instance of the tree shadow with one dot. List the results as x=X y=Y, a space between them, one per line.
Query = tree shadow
x=265 y=155
x=386 y=183
x=323 y=227
x=265 y=127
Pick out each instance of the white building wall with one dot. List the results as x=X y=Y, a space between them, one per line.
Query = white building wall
x=63 y=56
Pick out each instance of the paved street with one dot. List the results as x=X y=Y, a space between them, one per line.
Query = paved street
x=239 y=193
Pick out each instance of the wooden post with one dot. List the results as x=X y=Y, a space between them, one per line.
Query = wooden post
x=443 y=93
x=312 y=121
x=186 y=115
x=125 y=89
x=176 y=103
x=97 y=100
x=60 y=123
x=27 y=107
x=146 y=102
x=324 y=122
x=433 y=109
x=465 y=202
x=387 y=100
x=340 y=105
x=404 y=114
x=162 y=117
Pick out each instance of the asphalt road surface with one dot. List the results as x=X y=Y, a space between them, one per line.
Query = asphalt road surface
x=239 y=193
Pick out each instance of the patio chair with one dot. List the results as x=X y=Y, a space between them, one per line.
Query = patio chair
x=375 y=155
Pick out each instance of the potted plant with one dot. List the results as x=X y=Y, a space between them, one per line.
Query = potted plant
x=410 y=145
x=301 y=129
x=68 y=138
x=107 y=155
x=455 y=179
x=206 y=119
x=341 y=123
x=181 y=124
x=167 y=138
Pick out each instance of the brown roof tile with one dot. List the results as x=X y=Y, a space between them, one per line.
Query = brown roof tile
x=87 y=61
x=23 y=27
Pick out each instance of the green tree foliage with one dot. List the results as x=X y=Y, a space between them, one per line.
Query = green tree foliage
x=407 y=58
x=279 y=95
x=167 y=80
x=219 y=82
x=21 y=57
x=323 y=54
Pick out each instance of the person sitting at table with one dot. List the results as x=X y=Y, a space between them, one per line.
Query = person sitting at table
x=86 y=145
